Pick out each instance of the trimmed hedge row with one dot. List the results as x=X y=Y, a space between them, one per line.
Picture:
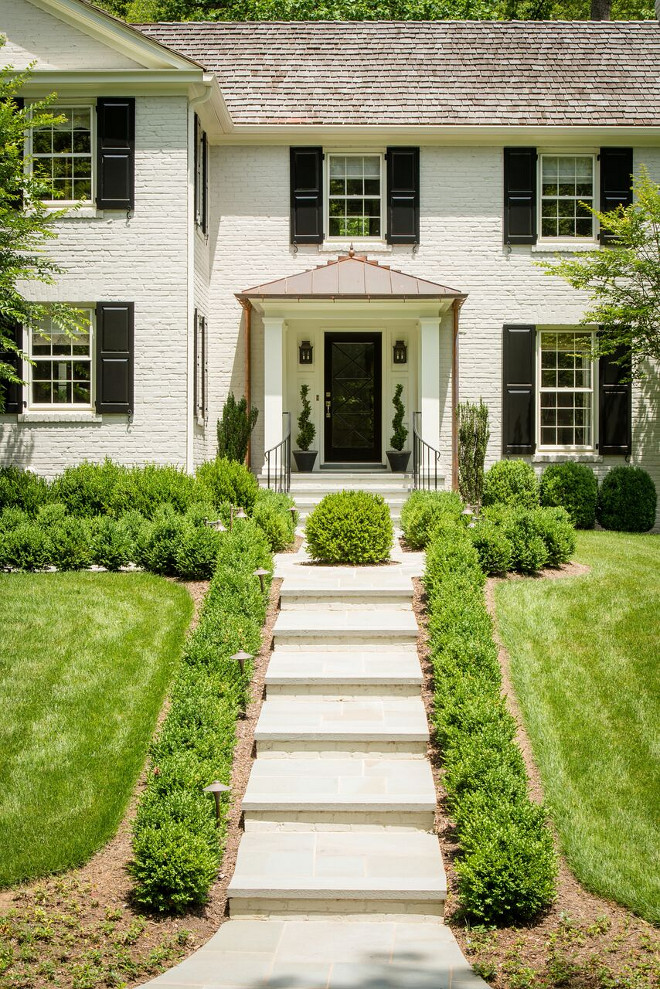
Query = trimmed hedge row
x=177 y=844
x=423 y=510
x=507 y=866
x=168 y=543
x=509 y=538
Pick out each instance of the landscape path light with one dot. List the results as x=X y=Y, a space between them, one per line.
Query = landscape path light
x=241 y=658
x=261 y=574
x=216 y=788
x=241 y=514
x=215 y=524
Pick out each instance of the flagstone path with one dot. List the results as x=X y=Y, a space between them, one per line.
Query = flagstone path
x=339 y=882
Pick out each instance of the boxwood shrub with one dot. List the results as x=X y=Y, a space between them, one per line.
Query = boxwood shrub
x=272 y=514
x=627 y=500
x=222 y=480
x=22 y=489
x=572 y=486
x=511 y=482
x=177 y=844
x=350 y=527
x=506 y=864
x=423 y=510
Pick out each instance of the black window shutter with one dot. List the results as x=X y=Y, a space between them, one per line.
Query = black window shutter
x=616 y=167
x=403 y=195
x=520 y=196
x=518 y=389
x=11 y=391
x=205 y=181
x=306 y=195
x=614 y=400
x=114 y=357
x=115 y=143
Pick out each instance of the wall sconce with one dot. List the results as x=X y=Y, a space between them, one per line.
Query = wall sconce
x=400 y=352
x=305 y=352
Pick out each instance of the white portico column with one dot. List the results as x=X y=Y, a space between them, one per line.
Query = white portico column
x=429 y=379
x=273 y=380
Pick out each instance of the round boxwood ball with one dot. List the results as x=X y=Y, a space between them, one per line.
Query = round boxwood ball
x=627 y=500
x=572 y=486
x=350 y=527
x=511 y=482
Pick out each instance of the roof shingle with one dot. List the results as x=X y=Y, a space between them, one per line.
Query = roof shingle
x=566 y=73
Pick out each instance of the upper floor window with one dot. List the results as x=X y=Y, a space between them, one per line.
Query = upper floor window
x=61 y=374
x=62 y=154
x=566 y=389
x=567 y=190
x=355 y=200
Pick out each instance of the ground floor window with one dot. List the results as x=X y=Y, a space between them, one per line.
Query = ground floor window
x=566 y=389
x=62 y=372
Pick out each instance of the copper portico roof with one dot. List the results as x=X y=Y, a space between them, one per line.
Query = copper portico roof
x=429 y=73
x=351 y=277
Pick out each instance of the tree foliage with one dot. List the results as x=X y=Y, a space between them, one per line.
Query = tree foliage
x=623 y=281
x=26 y=225
x=235 y=428
x=473 y=434
x=370 y=10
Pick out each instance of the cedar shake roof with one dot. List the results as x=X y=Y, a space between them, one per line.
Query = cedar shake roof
x=460 y=73
x=351 y=277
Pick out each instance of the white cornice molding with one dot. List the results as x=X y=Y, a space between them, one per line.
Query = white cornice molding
x=115 y=34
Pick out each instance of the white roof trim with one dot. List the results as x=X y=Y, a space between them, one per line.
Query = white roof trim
x=115 y=34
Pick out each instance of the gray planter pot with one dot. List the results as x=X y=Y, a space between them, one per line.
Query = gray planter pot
x=398 y=460
x=305 y=459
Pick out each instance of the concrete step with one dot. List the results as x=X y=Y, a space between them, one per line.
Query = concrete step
x=355 y=724
x=312 y=484
x=337 y=793
x=348 y=628
x=333 y=953
x=322 y=595
x=337 y=673
x=333 y=871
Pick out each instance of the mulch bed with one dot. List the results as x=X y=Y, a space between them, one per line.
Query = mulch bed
x=584 y=941
x=80 y=930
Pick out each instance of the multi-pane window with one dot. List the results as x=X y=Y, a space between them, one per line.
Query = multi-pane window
x=567 y=188
x=62 y=370
x=566 y=389
x=199 y=397
x=62 y=153
x=355 y=195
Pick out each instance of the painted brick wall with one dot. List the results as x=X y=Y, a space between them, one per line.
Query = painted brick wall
x=141 y=259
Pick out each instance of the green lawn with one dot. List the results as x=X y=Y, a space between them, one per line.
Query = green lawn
x=85 y=661
x=585 y=657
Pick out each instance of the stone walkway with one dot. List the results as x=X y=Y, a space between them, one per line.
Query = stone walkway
x=339 y=882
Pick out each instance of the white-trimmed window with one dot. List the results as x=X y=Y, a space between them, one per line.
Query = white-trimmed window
x=355 y=195
x=566 y=389
x=567 y=184
x=63 y=153
x=62 y=374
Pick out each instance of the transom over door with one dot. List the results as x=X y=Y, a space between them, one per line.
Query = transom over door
x=352 y=407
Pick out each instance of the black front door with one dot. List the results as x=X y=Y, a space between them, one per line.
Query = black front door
x=353 y=397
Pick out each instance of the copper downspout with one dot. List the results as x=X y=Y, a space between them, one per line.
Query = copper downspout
x=454 y=398
x=247 y=307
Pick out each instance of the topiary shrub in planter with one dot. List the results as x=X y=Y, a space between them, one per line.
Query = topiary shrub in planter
x=627 y=500
x=22 y=489
x=220 y=481
x=350 y=527
x=397 y=456
x=303 y=456
x=511 y=482
x=572 y=486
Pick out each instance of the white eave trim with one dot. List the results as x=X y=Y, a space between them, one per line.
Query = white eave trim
x=115 y=34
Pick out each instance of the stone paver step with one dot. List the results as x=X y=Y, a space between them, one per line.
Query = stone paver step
x=328 y=671
x=322 y=722
x=350 y=626
x=378 y=866
x=348 y=784
x=334 y=953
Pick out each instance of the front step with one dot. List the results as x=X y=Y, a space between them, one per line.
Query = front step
x=345 y=628
x=324 y=671
x=319 y=724
x=327 y=794
x=321 y=591
x=279 y=872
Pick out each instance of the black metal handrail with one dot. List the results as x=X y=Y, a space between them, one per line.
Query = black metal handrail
x=425 y=460
x=278 y=461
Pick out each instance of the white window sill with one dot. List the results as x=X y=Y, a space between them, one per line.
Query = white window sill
x=365 y=247
x=564 y=247
x=559 y=457
x=84 y=212
x=71 y=416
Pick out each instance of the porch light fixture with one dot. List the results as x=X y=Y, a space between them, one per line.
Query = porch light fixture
x=400 y=352
x=305 y=352
x=216 y=788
